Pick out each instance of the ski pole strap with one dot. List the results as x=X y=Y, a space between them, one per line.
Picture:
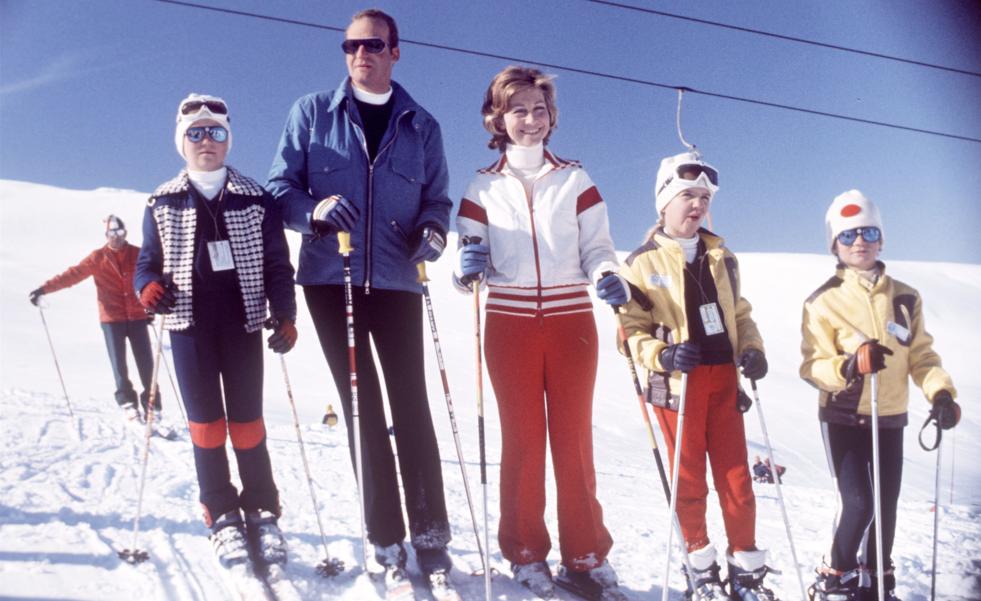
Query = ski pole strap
x=938 y=433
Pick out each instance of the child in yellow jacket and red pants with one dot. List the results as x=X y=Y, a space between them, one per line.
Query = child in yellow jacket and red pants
x=858 y=323
x=688 y=316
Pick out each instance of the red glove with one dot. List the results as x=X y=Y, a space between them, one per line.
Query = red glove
x=158 y=298
x=284 y=335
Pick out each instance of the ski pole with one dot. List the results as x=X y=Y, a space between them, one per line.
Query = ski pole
x=134 y=554
x=650 y=435
x=329 y=566
x=344 y=248
x=480 y=431
x=876 y=488
x=776 y=480
x=936 y=521
x=47 y=333
x=424 y=280
x=673 y=504
x=170 y=375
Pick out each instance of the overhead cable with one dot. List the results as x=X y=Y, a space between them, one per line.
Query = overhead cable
x=600 y=74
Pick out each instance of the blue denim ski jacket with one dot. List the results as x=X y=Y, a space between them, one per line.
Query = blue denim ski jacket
x=323 y=152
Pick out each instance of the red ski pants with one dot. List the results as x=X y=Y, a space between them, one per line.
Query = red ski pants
x=714 y=426
x=543 y=371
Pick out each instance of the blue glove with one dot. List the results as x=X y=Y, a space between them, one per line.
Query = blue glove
x=429 y=244
x=473 y=262
x=753 y=364
x=681 y=357
x=334 y=214
x=612 y=290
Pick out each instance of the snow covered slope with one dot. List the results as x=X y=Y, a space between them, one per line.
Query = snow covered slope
x=68 y=487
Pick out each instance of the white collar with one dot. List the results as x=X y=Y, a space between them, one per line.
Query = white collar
x=370 y=97
x=525 y=157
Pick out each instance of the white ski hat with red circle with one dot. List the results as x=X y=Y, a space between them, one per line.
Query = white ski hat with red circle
x=849 y=210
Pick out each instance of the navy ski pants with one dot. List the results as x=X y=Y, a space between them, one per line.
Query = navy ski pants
x=219 y=369
x=850 y=454
x=393 y=320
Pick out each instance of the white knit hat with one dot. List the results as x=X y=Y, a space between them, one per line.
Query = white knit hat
x=668 y=184
x=849 y=210
x=186 y=121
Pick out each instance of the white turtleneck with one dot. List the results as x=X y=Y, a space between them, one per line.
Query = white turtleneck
x=526 y=162
x=689 y=246
x=208 y=183
x=370 y=97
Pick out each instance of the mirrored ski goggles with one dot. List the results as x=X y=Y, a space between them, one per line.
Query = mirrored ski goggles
x=215 y=106
x=869 y=234
x=215 y=132
x=693 y=172
x=371 y=45
x=116 y=232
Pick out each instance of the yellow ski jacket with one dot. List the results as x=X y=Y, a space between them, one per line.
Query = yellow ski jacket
x=845 y=312
x=655 y=318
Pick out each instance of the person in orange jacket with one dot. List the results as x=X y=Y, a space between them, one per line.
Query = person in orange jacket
x=122 y=316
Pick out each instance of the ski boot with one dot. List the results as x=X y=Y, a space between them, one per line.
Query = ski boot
x=704 y=584
x=132 y=413
x=746 y=572
x=395 y=579
x=833 y=585
x=536 y=577
x=228 y=539
x=599 y=583
x=888 y=579
x=266 y=537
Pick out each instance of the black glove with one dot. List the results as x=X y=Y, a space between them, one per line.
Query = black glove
x=428 y=244
x=334 y=214
x=945 y=410
x=284 y=334
x=743 y=402
x=36 y=295
x=753 y=364
x=869 y=358
x=681 y=357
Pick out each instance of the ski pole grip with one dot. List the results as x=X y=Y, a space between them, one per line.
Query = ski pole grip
x=344 y=243
x=421 y=268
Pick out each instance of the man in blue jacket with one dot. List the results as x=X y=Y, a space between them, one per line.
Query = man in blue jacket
x=368 y=160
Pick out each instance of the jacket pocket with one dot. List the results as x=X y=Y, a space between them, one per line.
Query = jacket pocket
x=328 y=172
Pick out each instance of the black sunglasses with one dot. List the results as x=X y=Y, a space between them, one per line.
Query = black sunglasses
x=215 y=132
x=371 y=45
x=869 y=234
x=192 y=106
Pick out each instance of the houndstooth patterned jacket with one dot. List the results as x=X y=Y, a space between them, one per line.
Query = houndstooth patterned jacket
x=259 y=249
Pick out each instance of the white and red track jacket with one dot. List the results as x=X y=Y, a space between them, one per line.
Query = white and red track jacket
x=545 y=246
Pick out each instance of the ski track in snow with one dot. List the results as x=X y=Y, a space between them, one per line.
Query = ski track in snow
x=68 y=487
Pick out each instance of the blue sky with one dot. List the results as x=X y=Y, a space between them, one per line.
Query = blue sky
x=88 y=93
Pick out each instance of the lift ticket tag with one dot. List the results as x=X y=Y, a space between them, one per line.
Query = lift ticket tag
x=711 y=320
x=220 y=252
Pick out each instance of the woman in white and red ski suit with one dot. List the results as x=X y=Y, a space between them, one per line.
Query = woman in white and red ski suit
x=534 y=228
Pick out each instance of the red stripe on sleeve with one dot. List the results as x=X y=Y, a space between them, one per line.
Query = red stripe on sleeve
x=587 y=199
x=472 y=210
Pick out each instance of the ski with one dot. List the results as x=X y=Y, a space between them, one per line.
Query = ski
x=588 y=589
x=242 y=581
x=441 y=588
x=395 y=584
x=280 y=584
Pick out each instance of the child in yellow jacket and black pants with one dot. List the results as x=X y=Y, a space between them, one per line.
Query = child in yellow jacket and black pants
x=687 y=315
x=862 y=322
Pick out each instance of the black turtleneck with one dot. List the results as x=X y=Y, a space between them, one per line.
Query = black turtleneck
x=375 y=118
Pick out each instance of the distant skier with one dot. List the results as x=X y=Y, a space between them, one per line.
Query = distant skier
x=122 y=317
x=861 y=322
x=776 y=471
x=692 y=318
x=761 y=471
x=214 y=253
